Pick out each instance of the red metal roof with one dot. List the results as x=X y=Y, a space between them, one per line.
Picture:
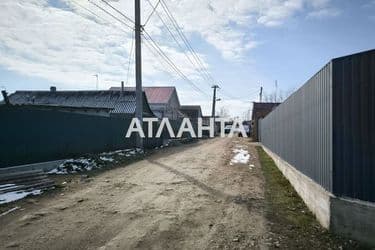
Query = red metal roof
x=154 y=94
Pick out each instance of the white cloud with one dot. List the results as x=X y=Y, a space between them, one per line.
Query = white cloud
x=324 y=13
x=319 y=3
x=227 y=24
x=58 y=45
x=69 y=45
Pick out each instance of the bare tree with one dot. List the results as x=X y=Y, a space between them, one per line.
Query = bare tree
x=269 y=97
x=246 y=115
x=280 y=96
x=223 y=112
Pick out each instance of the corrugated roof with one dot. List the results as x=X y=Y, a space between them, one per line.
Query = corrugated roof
x=116 y=101
x=155 y=95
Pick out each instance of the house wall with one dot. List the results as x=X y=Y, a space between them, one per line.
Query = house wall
x=169 y=110
x=174 y=106
x=30 y=135
x=258 y=116
x=158 y=109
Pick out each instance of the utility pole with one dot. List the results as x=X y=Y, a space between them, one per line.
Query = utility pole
x=214 y=100
x=260 y=94
x=138 y=69
x=215 y=87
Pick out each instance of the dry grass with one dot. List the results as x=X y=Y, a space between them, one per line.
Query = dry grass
x=294 y=226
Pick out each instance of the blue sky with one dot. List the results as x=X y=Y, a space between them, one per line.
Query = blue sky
x=245 y=44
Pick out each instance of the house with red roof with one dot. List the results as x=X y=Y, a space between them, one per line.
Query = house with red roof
x=163 y=100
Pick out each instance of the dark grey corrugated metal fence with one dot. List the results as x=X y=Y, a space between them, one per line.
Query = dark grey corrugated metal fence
x=354 y=126
x=29 y=135
x=326 y=129
x=299 y=130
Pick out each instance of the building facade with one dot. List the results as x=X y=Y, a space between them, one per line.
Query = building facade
x=260 y=110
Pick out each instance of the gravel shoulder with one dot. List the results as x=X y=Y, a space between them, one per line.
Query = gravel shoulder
x=187 y=197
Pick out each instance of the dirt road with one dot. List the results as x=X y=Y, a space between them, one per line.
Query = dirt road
x=188 y=197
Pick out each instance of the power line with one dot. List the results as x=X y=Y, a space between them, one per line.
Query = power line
x=185 y=40
x=170 y=62
x=109 y=23
x=96 y=15
x=152 y=12
x=201 y=67
x=156 y=55
x=155 y=45
x=122 y=14
x=178 y=43
x=110 y=14
x=187 y=43
x=153 y=50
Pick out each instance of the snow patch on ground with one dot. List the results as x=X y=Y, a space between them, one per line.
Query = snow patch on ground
x=241 y=156
x=7 y=185
x=251 y=166
x=101 y=160
x=104 y=158
x=17 y=195
x=74 y=166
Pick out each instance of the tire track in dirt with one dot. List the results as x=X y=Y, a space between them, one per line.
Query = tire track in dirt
x=187 y=197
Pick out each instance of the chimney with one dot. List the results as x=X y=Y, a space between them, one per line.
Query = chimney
x=52 y=89
x=5 y=96
x=122 y=87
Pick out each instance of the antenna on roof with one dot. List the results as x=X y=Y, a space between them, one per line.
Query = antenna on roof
x=97 y=81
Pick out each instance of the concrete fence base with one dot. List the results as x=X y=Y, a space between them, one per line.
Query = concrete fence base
x=353 y=218
x=348 y=217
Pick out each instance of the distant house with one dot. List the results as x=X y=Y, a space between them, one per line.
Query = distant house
x=206 y=120
x=260 y=110
x=103 y=103
x=163 y=101
x=191 y=111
